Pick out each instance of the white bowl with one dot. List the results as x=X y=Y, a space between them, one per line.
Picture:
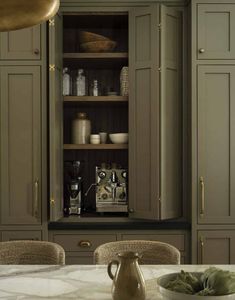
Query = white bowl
x=119 y=138
x=171 y=295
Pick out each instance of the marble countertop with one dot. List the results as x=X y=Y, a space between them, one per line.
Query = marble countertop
x=83 y=282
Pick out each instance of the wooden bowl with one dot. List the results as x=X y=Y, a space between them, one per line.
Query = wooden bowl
x=86 y=37
x=98 y=46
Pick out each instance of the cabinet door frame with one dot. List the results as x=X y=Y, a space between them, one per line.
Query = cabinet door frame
x=202 y=9
x=33 y=210
x=32 y=54
x=202 y=170
x=203 y=239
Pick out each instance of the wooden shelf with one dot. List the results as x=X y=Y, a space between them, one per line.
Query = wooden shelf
x=95 y=99
x=95 y=147
x=112 y=55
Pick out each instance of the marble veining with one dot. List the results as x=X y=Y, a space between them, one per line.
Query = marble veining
x=81 y=282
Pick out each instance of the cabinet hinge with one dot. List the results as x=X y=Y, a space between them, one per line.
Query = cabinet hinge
x=51 y=22
x=159 y=69
x=51 y=68
x=159 y=26
x=52 y=201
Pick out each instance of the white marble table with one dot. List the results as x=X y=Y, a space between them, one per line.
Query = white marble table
x=81 y=282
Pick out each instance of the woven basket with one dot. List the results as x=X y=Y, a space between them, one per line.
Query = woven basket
x=124 y=81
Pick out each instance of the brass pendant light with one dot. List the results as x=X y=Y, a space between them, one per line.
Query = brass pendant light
x=18 y=14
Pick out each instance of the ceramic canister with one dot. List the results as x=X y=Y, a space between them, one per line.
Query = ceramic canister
x=81 y=129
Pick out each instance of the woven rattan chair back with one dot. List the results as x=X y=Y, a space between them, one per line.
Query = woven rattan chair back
x=151 y=252
x=31 y=253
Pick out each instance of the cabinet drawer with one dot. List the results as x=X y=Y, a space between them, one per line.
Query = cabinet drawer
x=21 y=235
x=82 y=242
x=177 y=241
x=83 y=259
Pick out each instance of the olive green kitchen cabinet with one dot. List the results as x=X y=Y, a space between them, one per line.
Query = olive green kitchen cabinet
x=215 y=31
x=154 y=110
x=213 y=131
x=20 y=115
x=24 y=44
x=216 y=142
x=216 y=247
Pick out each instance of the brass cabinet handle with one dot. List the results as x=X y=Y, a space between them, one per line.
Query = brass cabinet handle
x=201 y=50
x=36 y=51
x=202 y=211
x=35 y=205
x=85 y=244
x=202 y=249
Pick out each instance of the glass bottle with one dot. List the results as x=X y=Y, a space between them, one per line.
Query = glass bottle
x=81 y=129
x=66 y=82
x=81 y=83
x=94 y=89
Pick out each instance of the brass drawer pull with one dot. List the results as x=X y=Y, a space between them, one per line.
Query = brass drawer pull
x=35 y=204
x=202 y=249
x=202 y=211
x=85 y=244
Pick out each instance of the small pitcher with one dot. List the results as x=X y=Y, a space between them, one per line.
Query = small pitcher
x=128 y=281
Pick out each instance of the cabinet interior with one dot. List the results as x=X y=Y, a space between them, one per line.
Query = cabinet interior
x=106 y=112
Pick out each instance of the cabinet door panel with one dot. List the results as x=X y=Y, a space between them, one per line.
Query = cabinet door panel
x=171 y=114
x=216 y=247
x=21 y=44
x=216 y=31
x=144 y=113
x=216 y=141
x=20 y=145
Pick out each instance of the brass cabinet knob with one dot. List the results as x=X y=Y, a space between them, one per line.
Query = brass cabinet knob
x=36 y=51
x=84 y=244
x=131 y=210
x=201 y=50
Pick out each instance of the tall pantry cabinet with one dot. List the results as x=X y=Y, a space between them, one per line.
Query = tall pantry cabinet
x=152 y=112
x=213 y=129
x=22 y=133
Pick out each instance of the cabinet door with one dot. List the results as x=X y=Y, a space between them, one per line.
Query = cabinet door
x=154 y=119
x=144 y=113
x=216 y=31
x=216 y=142
x=216 y=247
x=20 y=140
x=24 y=44
x=56 y=118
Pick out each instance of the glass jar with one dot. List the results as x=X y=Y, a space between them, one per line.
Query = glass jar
x=81 y=129
x=66 y=82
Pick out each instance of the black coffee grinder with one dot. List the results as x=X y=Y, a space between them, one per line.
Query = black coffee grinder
x=72 y=188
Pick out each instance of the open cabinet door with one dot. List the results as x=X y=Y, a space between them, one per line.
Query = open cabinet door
x=144 y=113
x=171 y=112
x=56 y=118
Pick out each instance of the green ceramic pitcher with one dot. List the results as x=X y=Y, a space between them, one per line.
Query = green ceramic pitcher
x=128 y=281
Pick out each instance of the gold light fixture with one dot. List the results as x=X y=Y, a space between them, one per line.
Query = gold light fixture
x=18 y=14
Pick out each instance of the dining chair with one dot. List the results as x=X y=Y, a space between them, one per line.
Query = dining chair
x=151 y=252
x=31 y=253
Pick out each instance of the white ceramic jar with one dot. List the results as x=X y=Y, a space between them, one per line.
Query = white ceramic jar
x=81 y=129
x=95 y=139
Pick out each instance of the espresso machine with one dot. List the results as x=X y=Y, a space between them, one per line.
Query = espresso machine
x=72 y=188
x=111 y=189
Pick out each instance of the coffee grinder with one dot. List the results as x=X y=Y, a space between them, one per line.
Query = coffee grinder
x=72 y=188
